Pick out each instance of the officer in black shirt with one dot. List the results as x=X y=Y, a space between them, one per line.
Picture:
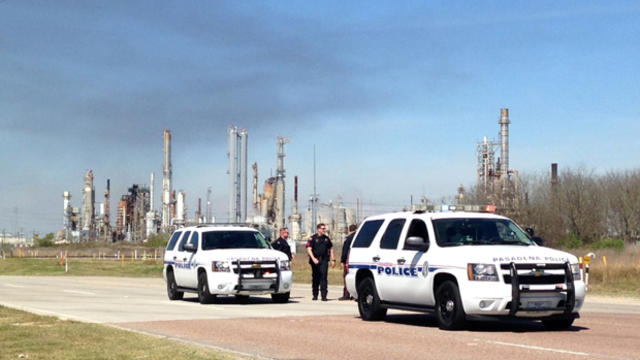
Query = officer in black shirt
x=320 y=252
x=281 y=243
x=343 y=259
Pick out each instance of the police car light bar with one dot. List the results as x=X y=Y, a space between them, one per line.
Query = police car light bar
x=469 y=208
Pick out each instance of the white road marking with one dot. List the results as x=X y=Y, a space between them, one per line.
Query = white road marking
x=13 y=286
x=561 y=351
x=79 y=292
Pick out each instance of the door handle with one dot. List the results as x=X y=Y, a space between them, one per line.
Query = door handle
x=175 y=258
x=401 y=261
x=185 y=259
x=376 y=258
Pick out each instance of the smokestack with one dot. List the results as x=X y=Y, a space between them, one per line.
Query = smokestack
x=67 y=213
x=88 y=201
x=233 y=173
x=180 y=218
x=295 y=194
x=504 y=156
x=199 y=216
x=280 y=219
x=152 y=179
x=254 y=191
x=166 y=182
x=243 y=174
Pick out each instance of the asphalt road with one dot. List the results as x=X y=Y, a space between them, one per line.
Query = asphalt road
x=303 y=329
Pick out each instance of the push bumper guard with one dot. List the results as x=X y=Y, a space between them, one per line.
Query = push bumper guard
x=253 y=272
x=517 y=291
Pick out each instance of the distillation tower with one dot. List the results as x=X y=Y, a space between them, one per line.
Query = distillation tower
x=238 y=139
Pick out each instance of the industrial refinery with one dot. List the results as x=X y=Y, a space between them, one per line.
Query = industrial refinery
x=497 y=182
x=137 y=219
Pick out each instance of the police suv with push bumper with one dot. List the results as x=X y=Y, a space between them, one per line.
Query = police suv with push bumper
x=225 y=260
x=461 y=265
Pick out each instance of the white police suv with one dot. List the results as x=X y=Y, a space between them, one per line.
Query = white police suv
x=225 y=260
x=461 y=265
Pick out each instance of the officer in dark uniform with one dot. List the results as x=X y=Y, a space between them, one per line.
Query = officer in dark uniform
x=343 y=259
x=320 y=252
x=281 y=243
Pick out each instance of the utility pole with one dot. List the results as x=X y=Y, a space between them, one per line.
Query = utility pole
x=314 y=197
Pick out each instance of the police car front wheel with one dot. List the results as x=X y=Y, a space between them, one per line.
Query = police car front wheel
x=369 y=302
x=204 y=296
x=449 y=311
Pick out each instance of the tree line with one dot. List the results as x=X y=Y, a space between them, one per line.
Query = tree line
x=578 y=208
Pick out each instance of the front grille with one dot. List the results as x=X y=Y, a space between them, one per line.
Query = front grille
x=536 y=274
x=537 y=280
x=249 y=269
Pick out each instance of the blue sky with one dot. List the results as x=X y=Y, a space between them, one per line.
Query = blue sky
x=394 y=96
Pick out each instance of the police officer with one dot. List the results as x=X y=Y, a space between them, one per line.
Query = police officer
x=320 y=252
x=281 y=243
x=343 y=260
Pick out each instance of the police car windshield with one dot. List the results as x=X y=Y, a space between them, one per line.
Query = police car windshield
x=475 y=231
x=233 y=240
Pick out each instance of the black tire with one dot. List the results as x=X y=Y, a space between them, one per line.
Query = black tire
x=558 y=324
x=280 y=298
x=204 y=296
x=369 y=302
x=242 y=299
x=449 y=311
x=172 y=287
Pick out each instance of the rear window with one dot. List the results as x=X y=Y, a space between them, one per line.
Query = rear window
x=233 y=240
x=366 y=234
x=173 y=240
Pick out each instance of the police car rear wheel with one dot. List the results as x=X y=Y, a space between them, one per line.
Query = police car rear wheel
x=204 y=296
x=280 y=298
x=172 y=287
x=449 y=311
x=369 y=302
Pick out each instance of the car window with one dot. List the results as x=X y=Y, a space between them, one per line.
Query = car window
x=194 y=239
x=173 y=240
x=417 y=228
x=184 y=240
x=465 y=231
x=392 y=234
x=233 y=240
x=366 y=234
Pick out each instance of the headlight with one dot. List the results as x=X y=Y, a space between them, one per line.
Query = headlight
x=577 y=274
x=220 y=266
x=482 y=272
x=285 y=265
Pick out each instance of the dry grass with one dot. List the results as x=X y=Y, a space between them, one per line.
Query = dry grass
x=621 y=274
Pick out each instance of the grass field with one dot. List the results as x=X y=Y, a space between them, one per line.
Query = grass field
x=620 y=277
x=28 y=336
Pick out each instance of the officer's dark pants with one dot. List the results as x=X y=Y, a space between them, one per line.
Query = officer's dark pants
x=319 y=274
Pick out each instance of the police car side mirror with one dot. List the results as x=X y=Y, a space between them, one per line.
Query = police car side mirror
x=416 y=243
x=538 y=240
x=189 y=247
x=530 y=231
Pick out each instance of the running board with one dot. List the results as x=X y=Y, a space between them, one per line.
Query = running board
x=409 y=307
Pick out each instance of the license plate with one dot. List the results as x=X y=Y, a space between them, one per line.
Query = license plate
x=538 y=304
